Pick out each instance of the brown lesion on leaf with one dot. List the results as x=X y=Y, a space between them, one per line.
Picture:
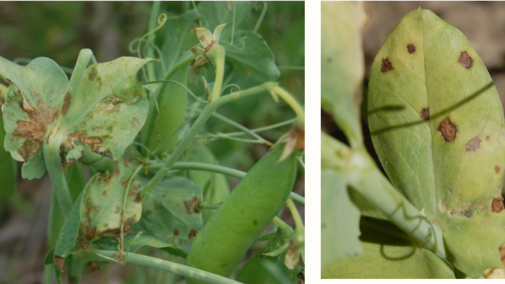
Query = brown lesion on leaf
x=497 y=205
x=497 y=169
x=448 y=129
x=59 y=261
x=411 y=48
x=465 y=60
x=66 y=103
x=192 y=233
x=386 y=65
x=191 y=205
x=425 y=113
x=176 y=232
x=94 y=143
x=473 y=144
x=92 y=266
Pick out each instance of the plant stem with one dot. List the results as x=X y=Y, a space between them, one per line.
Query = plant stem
x=288 y=98
x=57 y=175
x=185 y=142
x=241 y=127
x=262 y=16
x=217 y=169
x=208 y=206
x=170 y=266
x=150 y=52
x=372 y=185
x=217 y=56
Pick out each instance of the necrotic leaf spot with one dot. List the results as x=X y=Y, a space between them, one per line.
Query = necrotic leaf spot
x=425 y=113
x=473 y=144
x=411 y=48
x=465 y=60
x=497 y=205
x=448 y=129
x=386 y=65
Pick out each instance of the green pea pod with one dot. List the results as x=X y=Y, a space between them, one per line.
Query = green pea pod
x=8 y=171
x=215 y=186
x=172 y=100
x=225 y=239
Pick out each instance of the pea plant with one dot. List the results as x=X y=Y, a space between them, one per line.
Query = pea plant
x=436 y=123
x=123 y=143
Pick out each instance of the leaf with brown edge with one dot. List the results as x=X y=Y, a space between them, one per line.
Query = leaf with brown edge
x=172 y=208
x=440 y=159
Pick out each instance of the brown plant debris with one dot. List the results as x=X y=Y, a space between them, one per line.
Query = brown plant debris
x=448 y=129
x=465 y=60
x=191 y=205
x=386 y=65
x=473 y=144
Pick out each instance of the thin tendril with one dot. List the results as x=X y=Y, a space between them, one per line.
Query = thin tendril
x=232 y=6
x=231 y=85
x=178 y=83
x=262 y=16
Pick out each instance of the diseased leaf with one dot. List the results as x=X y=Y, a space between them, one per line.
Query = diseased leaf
x=339 y=215
x=104 y=112
x=8 y=167
x=172 y=209
x=103 y=203
x=437 y=125
x=342 y=64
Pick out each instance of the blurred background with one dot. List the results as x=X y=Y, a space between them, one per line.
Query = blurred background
x=483 y=23
x=58 y=30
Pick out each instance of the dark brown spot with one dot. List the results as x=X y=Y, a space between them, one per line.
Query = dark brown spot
x=176 y=232
x=386 y=65
x=448 y=129
x=425 y=113
x=411 y=48
x=66 y=104
x=473 y=144
x=465 y=60
x=92 y=266
x=497 y=205
x=487 y=138
x=191 y=205
x=497 y=169
x=192 y=233
x=59 y=261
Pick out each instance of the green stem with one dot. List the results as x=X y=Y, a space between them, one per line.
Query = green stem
x=217 y=169
x=217 y=56
x=152 y=25
x=208 y=206
x=299 y=236
x=241 y=127
x=57 y=175
x=185 y=142
x=288 y=98
x=367 y=179
x=170 y=266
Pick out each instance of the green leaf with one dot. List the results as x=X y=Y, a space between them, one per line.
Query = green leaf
x=342 y=64
x=178 y=38
x=68 y=235
x=390 y=262
x=171 y=209
x=103 y=203
x=252 y=59
x=437 y=125
x=339 y=215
